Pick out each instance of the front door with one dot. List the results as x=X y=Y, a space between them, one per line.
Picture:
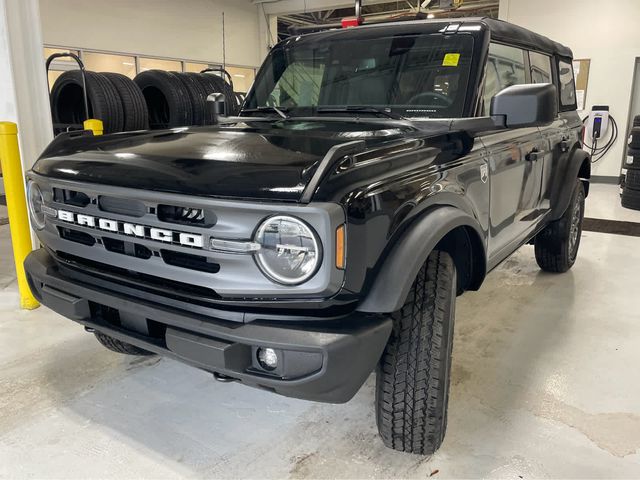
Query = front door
x=515 y=160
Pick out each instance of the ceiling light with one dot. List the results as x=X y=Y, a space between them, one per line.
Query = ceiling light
x=431 y=15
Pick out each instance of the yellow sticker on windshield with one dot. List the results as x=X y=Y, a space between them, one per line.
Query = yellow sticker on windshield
x=451 y=60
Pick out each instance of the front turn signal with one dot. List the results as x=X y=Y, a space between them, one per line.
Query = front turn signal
x=341 y=248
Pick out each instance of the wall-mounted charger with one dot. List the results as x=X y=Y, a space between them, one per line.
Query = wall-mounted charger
x=597 y=122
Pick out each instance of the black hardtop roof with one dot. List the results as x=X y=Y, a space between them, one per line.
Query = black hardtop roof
x=501 y=31
x=515 y=34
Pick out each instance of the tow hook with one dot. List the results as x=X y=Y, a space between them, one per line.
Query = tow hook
x=223 y=378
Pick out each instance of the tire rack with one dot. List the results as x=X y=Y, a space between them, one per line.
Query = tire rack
x=69 y=126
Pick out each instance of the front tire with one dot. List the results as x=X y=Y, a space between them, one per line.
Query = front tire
x=557 y=245
x=412 y=381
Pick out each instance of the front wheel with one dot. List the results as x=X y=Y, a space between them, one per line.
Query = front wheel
x=557 y=245
x=412 y=381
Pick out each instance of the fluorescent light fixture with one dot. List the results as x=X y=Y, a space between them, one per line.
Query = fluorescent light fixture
x=131 y=64
x=238 y=75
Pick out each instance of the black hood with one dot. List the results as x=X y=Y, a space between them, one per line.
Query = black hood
x=264 y=160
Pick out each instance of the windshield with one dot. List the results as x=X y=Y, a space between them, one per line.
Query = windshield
x=408 y=75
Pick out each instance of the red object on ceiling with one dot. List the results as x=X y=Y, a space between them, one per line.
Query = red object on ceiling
x=351 y=22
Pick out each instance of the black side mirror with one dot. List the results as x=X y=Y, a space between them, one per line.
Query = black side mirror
x=530 y=105
x=216 y=101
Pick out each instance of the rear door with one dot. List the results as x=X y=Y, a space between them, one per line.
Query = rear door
x=515 y=169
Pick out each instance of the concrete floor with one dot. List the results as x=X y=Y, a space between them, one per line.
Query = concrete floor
x=544 y=384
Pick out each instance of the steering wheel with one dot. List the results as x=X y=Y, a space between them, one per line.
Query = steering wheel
x=437 y=99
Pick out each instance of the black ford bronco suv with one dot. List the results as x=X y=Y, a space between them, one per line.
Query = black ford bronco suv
x=373 y=174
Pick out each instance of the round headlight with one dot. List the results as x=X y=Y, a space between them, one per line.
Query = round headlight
x=289 y=250
x=35 y=202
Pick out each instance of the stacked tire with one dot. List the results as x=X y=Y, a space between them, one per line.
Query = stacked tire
x=113 y=98
x=176 y=99
x=631 y=185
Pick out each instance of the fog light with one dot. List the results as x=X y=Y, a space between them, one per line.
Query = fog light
x=267 y=358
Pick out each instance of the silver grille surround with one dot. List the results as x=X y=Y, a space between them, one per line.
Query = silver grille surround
x=236 y=221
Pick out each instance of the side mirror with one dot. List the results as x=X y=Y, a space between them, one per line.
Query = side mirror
x=216 y=101
x=530 y=105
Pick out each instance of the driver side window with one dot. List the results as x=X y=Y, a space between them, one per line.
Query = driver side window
x=505 y=67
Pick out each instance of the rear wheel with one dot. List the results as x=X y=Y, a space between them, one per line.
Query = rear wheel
x=120 y=347
x=557 y=245
x=412 y=383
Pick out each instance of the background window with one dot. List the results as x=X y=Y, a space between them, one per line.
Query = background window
x=505 y=67
x=59 y=65
x=196 y=67
x=540 y=68
x=242 y=78
x=567 y=84
x=106 y=62
x=147 y=63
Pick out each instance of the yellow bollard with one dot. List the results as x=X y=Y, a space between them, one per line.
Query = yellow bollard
x=17 y=207
x=94 y=125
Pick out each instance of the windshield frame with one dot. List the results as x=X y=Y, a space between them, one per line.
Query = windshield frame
x=478 y=31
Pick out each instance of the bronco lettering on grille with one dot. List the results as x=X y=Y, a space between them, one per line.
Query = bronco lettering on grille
x=135 y=230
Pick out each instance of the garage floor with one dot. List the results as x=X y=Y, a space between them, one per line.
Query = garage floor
x=545 y=384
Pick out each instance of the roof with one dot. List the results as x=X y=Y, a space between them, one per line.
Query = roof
x=500 y=30
x=515 y=34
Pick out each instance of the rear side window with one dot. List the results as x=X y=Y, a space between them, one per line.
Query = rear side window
x=505 y=67
x=567 y=86
x=540 y=68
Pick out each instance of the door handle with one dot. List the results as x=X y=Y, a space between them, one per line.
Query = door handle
x=534 y=155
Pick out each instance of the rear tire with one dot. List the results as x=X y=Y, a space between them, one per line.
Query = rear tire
x=556 y=246
x=120 y=347
x=412 y=381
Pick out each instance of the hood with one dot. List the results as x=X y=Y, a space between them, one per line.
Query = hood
x=264 y=160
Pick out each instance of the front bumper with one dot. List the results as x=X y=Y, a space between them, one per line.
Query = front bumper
x=325 y=361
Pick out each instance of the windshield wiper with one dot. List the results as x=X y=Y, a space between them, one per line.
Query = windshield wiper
x=279 y=110
x=360 y=109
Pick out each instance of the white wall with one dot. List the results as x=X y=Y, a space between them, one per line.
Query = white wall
x=23 y=89
x=190 y=29
x=606 y=32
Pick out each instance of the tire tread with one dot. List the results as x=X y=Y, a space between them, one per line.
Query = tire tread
x=413 y=375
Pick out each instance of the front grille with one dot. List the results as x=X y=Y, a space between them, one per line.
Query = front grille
x=147 y=238
x=123 y=206
x=76 y=236
x=186 y=215
x=140 y=281
x=187 y=260
x=71 y=197
x=126 y=248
